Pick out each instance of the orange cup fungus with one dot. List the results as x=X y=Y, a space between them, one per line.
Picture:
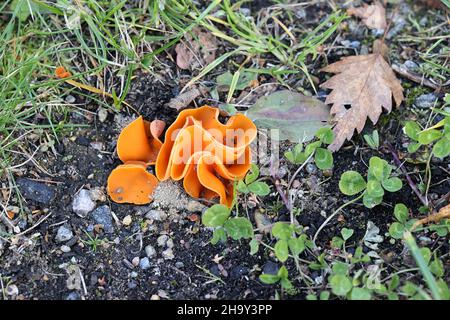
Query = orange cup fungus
x=208 y=155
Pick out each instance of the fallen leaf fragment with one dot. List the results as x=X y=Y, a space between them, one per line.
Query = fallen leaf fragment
x=61 y=73
x=443 y=213
x=373 y=16
x=198 y=49
x=362 y=87
x=183 y=100
x=295 y=116
x=436 y=4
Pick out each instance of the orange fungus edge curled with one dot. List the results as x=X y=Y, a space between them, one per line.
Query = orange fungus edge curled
x=131 y=183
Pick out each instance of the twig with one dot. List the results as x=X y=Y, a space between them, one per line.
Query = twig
x=434 y=217
x=299 y=169
x=83 y=282
x=33 y=227
x=415 y=77
x=3 y=288
x=323 y=225
x=411 y=183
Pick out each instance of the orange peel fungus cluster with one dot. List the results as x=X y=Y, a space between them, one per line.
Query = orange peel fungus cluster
x=207 y=155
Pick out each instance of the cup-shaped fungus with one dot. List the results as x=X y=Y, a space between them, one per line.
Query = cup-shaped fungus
x=209 y=156
x=138 y=146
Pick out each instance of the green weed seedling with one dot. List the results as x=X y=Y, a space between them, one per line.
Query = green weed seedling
x=251 y=185
x=379 y=180
x=323 y=157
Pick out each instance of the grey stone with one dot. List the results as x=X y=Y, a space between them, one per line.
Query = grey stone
x=162 y=239
x=150 y=251
x=355 y=44
x=82 y=203
x=399 y=25
x=65 y=248
x=311 y=168
x=179 y=264
x=70 y=99
x=169 y=243
x=63 y=234
x=102 y=215
x=425 y=101
x=238 y=271
x=270 y=267
x=36 y=191
x=157 y=215
x=144 y=264
x=102 y=114
x=410 y=65
x=168 y=254
x=73 y=296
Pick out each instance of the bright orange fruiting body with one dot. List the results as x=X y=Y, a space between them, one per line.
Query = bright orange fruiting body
x=207 y=155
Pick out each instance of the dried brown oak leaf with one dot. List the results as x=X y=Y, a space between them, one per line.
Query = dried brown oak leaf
x=197 y=50
x=365 y=84
x=373 y=16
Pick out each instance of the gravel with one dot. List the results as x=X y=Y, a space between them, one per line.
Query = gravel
x=425 y=101
x=168 y=254
x=150 y=251
x=144 y=264
x=157 y=215
x=162 y=239
x=270 y=267
x=65 y=248
x=102 y=215
x=82 y=203
x=36 y=191
x=63 y=234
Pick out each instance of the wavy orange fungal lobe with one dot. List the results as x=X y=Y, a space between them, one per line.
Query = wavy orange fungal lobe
x=207 y=154
x=139 y=141
x=131 y=183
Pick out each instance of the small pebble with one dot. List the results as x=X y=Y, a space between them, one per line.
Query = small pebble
x=194 y=206
x=150 y=251
x=102 y=114
x=73 y=296
x=65 y=248
x=425 y=101
x=169 y=243
x=127 y=220
x=36 y=191
x=63 y=234
x=144 y=264
x=82 y=203
x=102 y=215
x=156 y=215
x=97 y=194
x=179 y=264
x=70 y=99
x=162 y=239
x=311 y=168
x=168 y=254
x=270 y=267
x=135 y=261
x=410 y=65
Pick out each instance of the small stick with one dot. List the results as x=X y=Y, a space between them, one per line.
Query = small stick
x=411 y=183
x=434 y=217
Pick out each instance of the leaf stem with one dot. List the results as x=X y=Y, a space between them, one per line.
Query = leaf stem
x=333 y=215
